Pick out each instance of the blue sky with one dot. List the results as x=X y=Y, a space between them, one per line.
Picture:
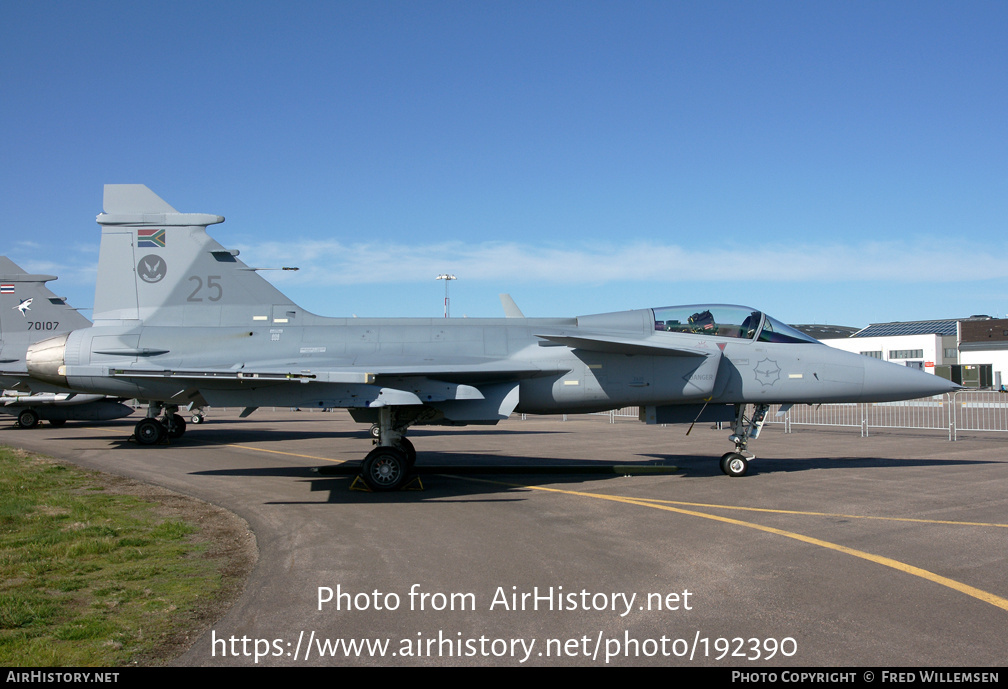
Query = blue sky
x=837 y=162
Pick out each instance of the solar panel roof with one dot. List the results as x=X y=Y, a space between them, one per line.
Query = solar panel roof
x=826 y=332
x=940 y=327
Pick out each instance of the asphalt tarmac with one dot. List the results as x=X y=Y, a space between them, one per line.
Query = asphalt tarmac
x=835 y=550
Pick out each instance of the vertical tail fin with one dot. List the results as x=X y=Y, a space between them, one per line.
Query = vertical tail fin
x=161 y=267
x=30 y=312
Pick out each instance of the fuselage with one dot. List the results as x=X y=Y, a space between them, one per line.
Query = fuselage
x=590 y=363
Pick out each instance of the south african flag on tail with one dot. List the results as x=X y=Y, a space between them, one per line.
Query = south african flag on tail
x=151 y=238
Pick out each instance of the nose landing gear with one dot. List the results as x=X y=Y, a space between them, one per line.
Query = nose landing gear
x=737 y=463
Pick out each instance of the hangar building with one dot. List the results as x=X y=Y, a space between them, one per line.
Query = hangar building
x=952 y=348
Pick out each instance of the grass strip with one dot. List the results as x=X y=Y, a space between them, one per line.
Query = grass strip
x=91 y=575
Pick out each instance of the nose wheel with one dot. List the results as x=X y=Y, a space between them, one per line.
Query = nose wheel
x=734 y=464
x=745 y=428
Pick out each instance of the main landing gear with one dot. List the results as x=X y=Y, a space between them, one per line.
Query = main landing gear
x=388 y=466
x=737 y=463
x=28 y=418
x=152 y=430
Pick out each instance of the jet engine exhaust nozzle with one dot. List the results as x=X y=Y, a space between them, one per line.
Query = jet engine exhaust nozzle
x=45 y=360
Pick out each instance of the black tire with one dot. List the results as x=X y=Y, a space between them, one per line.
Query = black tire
x=149 y=432
x=724 y=460
x=28 y=418
x=407 y=447
x=375 y=431
x=56 y=423
x=384 y=469
x=178 y=426
x=196 y=418
x=734 y=464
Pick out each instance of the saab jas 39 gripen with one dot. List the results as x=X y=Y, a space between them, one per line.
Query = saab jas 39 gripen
x=179 y=320
x=29 y=312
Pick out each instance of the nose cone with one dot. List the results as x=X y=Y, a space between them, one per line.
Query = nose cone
x=886 y=382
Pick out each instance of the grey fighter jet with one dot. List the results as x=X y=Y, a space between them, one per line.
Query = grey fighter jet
x=29 y=312
x=179 y=319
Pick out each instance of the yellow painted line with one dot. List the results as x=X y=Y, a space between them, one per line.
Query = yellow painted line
x=280 y=452
x=826 y=514
x=971 y=591
x=966 y=589
x=255 y=449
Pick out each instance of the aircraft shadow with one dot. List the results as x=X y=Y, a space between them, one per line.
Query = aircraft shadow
x=229 y=436
x=493 y=475
x=693 y=466
x=498 y=471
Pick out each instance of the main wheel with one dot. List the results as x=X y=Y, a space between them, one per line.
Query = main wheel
x=28 y=418
x=734 y=464
x=375 y=431
x=407 y=447
x=149 y=431
x=384 y=468
x=178 y=426
x=196 y=418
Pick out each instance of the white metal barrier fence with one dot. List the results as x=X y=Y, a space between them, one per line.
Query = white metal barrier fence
x=846 y=415
x=980 y=411
x=966 y=410
x=929 y=413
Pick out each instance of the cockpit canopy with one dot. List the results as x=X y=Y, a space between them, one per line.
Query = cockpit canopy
x=721 y=320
